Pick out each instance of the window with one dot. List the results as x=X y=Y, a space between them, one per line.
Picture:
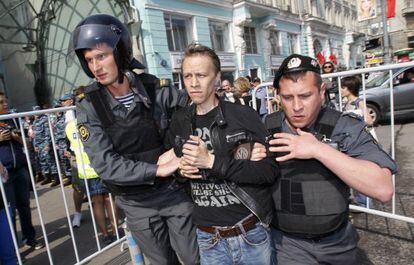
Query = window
x=253 y=73
x=218 y=36
x=176 y=32
x=250 y=39
x=274 y=42
x=317 y=47
x=411 y=42
x=178 y=81
x=292 y=43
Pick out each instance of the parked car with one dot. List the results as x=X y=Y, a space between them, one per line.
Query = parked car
x=378 y=93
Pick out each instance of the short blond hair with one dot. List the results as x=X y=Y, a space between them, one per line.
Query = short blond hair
x=241 y=85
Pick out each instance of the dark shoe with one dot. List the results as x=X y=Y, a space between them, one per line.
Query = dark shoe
x=67 y=181
x=107 y=240
x=47 y=180
x=33 y=244
x=54 y=183
x=39 y=177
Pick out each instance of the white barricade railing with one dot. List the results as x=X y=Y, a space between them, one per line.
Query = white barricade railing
x=100 y=249
x=362 y=73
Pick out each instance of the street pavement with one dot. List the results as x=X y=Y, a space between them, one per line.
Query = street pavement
x=383 y=241
x=387 y=241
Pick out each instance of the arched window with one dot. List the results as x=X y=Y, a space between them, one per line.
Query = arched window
x=317 y=46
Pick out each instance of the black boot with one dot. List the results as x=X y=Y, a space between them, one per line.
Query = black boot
x=55 y=180
x=39 y=177
x=47 y=179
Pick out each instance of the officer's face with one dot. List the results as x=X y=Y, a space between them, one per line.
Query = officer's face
x=67 y=103
x=200 y=79
x=301 y=100
x=4 y=106
x=102 y=64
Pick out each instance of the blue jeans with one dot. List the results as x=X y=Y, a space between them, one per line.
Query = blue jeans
x=7 y=254
x=18 y=194
x=254 y=247
x=361 y=200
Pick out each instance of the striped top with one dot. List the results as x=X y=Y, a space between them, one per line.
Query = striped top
x=126 y=100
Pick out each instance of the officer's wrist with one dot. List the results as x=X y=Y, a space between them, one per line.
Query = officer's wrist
x=321 y=150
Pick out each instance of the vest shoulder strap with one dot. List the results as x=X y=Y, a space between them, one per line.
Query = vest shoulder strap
x=94 y=94
x=151 y=84
x=326 y=121
x=273 y=122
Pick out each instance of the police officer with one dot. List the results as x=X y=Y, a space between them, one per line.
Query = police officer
x=322 y=153
x=42 y=144
x=61 y=140
x=118 y=129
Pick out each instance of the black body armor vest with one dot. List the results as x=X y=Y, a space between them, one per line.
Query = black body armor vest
x=136 y=137
x=309 y=198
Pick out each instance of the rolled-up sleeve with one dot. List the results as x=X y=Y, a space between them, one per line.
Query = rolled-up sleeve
x=110 y=166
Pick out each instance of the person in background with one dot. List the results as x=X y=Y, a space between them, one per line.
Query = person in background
x=61 y=146
x=101 y=201
x=241 y=92
x=42 y=144
x=261 y=93
x=350 y=87
x=227 y=86
x=78 y=194
x=332 y=93
x=7 y=251
x=17 y=186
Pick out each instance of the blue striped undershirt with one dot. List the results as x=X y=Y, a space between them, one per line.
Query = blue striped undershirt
x=126 y=100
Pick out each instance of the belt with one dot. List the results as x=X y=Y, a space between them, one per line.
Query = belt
x=231 y=231
x=318 y=237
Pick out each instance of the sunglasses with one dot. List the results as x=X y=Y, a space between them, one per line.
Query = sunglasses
x=327 y=67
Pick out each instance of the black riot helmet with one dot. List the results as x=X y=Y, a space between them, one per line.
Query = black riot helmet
x=102 y=28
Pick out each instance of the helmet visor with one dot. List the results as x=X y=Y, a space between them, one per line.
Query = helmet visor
x=91 y=35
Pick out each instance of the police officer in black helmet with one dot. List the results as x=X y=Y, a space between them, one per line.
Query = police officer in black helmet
x=322 y=153
x=117 y=122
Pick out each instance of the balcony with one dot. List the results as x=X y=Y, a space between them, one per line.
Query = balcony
x=408 y=9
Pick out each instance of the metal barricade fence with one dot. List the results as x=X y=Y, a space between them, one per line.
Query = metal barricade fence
x=387 y=214
x=41 y=208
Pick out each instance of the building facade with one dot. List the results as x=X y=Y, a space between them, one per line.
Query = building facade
x=251 y=37
x=400 y=31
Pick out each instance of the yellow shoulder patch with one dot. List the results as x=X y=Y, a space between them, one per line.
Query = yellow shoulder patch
x=83 y=132
x=165 y=82
x=80 y=96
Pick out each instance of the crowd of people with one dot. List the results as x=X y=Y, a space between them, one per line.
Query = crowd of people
x=75 y=170
x=223 y=183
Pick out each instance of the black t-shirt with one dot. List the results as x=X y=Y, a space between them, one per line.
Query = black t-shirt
x=215 y=204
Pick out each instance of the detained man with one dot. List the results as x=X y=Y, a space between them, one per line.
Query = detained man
x=231 y=193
